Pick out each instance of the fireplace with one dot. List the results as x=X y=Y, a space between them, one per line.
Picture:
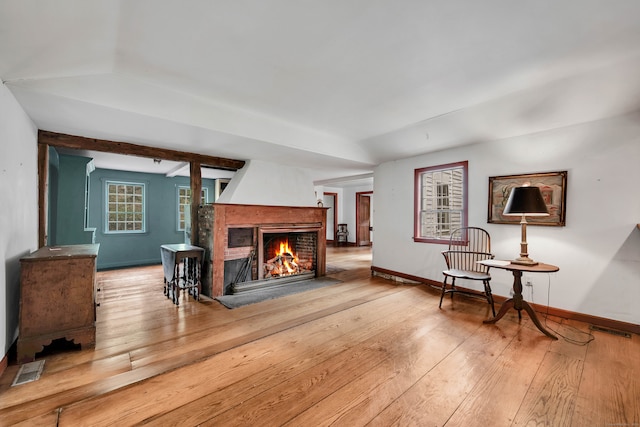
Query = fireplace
x=254 y=247
x=284 y=256
x=286 y=253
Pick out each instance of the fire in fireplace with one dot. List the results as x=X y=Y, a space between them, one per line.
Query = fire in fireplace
x=286 y=260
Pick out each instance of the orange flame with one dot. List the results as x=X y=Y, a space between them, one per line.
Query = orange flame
x=286 y=249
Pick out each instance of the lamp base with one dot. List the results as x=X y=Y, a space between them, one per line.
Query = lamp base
x=524 y=261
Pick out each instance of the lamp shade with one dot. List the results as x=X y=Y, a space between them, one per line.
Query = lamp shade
x=526 y=201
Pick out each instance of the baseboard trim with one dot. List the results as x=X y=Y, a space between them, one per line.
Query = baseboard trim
x=543 y=309
x=120 y=265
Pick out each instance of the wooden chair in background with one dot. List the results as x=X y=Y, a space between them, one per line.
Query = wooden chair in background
x=467 y=246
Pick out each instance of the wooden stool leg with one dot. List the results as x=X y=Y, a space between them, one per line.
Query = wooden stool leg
x=176 y=285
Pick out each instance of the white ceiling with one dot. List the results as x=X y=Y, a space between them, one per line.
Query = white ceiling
x=333 y=86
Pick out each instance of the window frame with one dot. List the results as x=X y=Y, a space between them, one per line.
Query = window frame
x=418 y=173
x=205 y=194
x=143 y=185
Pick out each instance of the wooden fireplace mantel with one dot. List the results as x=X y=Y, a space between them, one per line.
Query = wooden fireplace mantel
x=260 y=217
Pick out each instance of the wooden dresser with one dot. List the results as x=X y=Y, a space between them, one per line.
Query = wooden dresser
x=57 y=298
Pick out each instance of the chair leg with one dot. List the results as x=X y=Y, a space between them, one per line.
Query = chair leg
x=487 y=291
x=444 y=288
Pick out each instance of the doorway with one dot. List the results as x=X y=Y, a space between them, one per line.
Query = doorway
x=364 y=227
x=330 y=201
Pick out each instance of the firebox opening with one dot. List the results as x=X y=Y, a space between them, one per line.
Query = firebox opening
x=288 y=254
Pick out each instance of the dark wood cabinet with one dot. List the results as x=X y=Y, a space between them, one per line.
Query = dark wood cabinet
x=57 y=298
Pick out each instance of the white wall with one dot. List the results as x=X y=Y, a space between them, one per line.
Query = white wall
x=329 y=202
x=19 y=210
x=266 y=183
x=338 y=210
x=340 y=200
x=347 y=205
x=598 y=251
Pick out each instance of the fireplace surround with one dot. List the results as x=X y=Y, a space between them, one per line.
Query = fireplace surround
x=237 y=238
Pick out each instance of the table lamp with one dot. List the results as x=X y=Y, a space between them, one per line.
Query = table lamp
x=525 y=201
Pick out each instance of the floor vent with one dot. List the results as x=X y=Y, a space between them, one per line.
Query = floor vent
x=610 y=331
x=29 y=372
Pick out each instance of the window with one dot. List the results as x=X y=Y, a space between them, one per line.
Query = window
x=184 y=201
x=440 y=201
x=125 y=207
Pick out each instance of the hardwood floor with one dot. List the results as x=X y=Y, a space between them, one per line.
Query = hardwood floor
x=367 y=351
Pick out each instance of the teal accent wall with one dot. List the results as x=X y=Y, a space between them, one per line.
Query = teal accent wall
x=161 y=210
x=52 y=214
x=69 y=210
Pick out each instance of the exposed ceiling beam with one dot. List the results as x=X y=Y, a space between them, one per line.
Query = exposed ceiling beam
x=55 y=139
